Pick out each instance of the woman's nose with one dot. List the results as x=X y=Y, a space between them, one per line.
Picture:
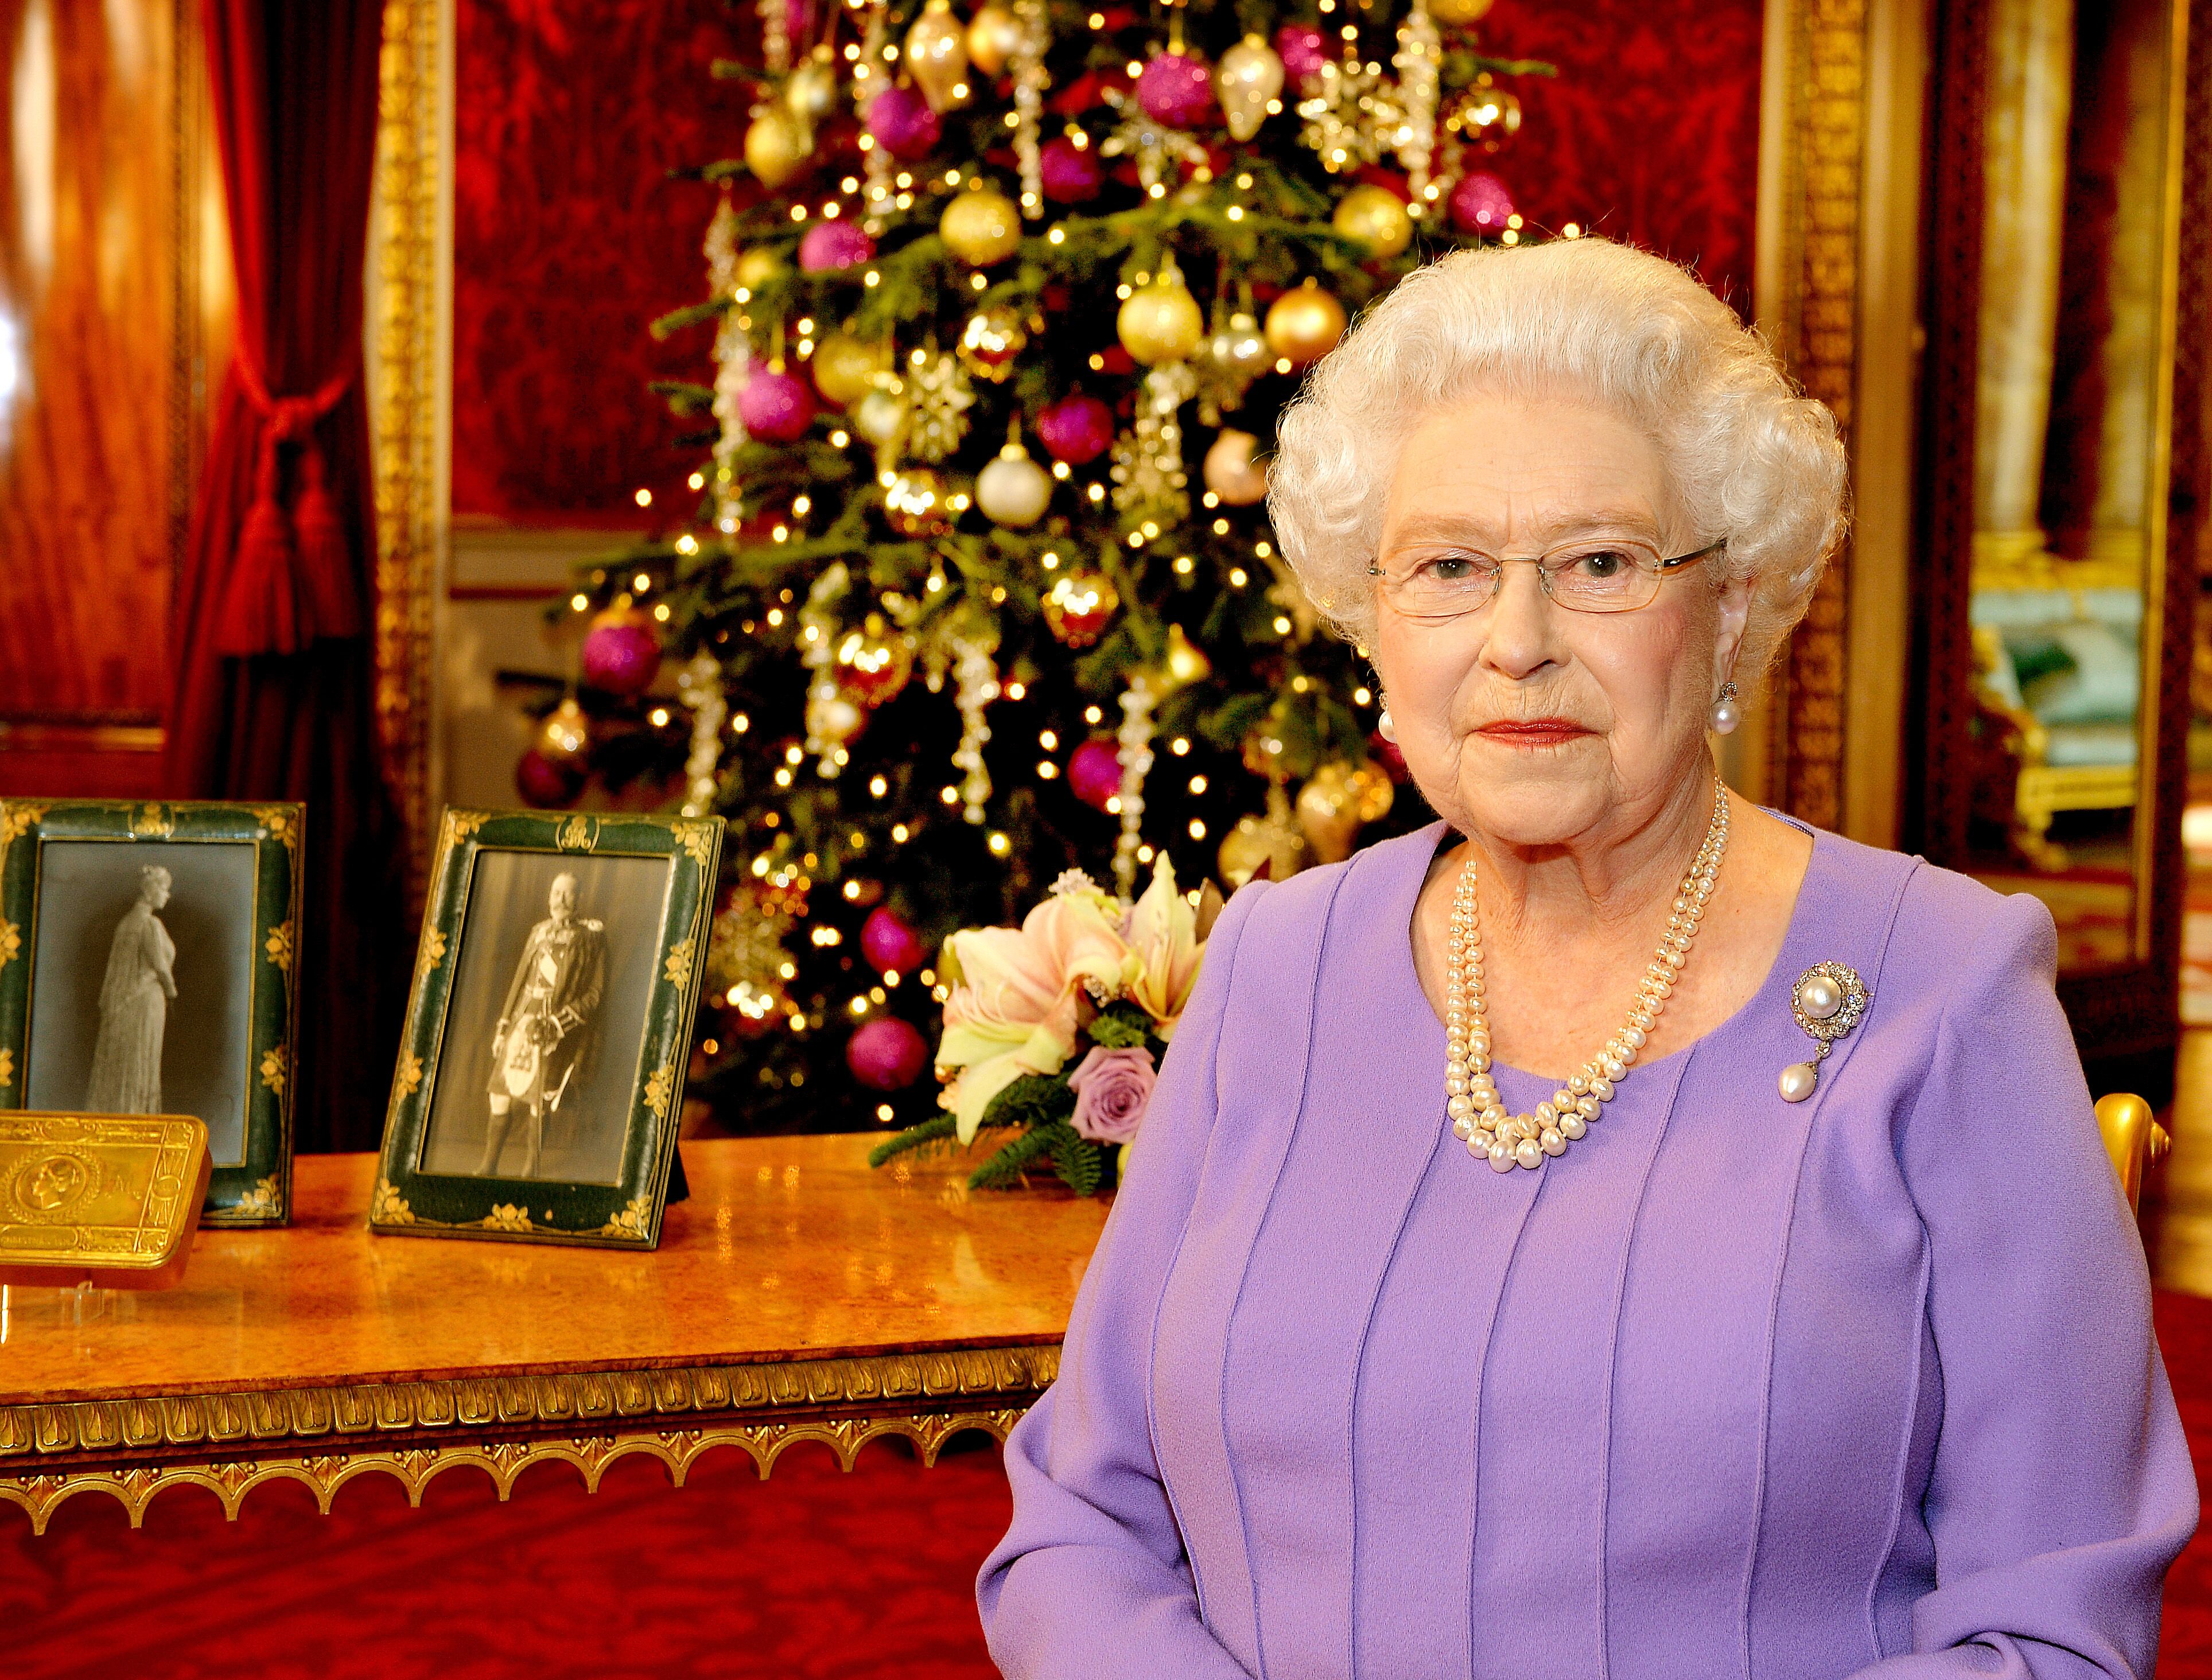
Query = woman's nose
x=1520 y=638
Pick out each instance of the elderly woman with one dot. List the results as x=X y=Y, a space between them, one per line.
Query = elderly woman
x=1615 y=1230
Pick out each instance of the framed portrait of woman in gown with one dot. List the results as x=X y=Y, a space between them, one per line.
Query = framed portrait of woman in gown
x=146 y=968
x=541 y=1069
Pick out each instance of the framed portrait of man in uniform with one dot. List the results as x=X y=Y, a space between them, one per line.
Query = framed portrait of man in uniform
x=541 y=1072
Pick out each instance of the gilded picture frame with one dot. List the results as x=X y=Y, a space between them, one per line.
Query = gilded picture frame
x=188 y=1006
x=540 y=1075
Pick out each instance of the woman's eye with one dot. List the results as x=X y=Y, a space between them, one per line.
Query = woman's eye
x=1604 y=563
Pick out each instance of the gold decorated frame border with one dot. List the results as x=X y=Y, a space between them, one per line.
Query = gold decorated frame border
x=324 y=1438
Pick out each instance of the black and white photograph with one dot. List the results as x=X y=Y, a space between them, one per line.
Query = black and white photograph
x=540 y=1052
x=141 y=983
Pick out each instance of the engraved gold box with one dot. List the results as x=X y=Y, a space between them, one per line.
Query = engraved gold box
x=111 y=1199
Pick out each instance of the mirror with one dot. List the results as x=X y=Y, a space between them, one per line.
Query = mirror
x=2072 y=394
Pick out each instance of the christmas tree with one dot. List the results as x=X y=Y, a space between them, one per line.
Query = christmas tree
x=982 y=588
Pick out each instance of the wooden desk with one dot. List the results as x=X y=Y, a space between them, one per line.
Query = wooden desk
x=797 y=1296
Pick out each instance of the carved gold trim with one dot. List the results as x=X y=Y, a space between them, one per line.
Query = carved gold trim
x=1818 y=335
x=404 y=420
x=288 y=1416
x=414 y=1468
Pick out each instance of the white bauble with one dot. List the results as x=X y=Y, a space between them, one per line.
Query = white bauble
x=879 y=417
x=1230 y=471
x=1247 y=78
x=1013 y=490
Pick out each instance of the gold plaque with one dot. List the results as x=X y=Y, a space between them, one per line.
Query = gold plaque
x=111 y=1199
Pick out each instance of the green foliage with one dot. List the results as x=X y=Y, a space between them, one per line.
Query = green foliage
x=1005 y=1169
x=938 y=1132
x=1120 y=1025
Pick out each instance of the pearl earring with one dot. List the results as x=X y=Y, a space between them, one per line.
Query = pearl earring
x=1385 y=728
x=1726 y=715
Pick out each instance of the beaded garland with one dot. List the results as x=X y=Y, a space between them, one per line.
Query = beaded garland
x=1478 y=1117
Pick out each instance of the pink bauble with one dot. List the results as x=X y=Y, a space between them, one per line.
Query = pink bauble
x=1177 y=88
x=902 y=123
x=834 y=245
x=1094 y=772
x=1303 y=51
x=1071 y=175
x=887 y=1054
x=546 y=783
x=889 y=942
x=1480 y=204
x=621 y=656
x=1075 y=429
x=776 y=406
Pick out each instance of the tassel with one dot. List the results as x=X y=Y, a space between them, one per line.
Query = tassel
x=325 y=560
x=261 y=605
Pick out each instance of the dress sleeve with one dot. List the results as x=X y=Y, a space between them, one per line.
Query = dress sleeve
x=1092 y=1582
x=2060 y=1489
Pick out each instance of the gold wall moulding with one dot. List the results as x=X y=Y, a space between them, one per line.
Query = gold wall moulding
x=413 y=1468
x=111 y=1429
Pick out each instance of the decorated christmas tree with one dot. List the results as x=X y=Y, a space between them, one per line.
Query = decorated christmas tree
x=980 y=588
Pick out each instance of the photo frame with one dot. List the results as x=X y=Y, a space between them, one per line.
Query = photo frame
x=147 y=965
x=541 y=1069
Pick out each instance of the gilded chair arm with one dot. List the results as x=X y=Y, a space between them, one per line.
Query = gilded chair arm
x=2132 y=1138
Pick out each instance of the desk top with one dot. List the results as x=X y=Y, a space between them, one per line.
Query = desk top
x=789 y=1249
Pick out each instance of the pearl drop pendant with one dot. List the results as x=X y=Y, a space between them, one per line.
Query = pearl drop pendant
x=1477 y=1118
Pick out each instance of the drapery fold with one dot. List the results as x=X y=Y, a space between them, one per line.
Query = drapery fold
x=275 y=678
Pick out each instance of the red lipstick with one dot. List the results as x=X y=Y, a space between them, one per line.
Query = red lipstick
x=1533 y=732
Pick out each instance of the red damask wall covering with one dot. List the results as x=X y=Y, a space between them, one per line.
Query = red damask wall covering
x=569 y=237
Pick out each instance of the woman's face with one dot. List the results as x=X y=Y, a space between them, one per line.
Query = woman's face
x=1521 y=720
x=157 y=892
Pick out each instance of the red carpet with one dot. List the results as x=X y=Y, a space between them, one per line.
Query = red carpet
x=810 y=1575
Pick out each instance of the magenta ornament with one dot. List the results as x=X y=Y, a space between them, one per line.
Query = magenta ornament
x=547 y=783
x=889 y=942
x=1480 y=204
x=620 y=657
x=1177 y=88
x=887 y=1054
x=1094 y=772
x=834 y=245
x=1075 y=429
x=1071 y=175
x=778 y=407
x=902 y=123
x=1303 y=51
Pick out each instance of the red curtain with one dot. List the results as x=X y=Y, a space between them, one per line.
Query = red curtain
x=275 y=676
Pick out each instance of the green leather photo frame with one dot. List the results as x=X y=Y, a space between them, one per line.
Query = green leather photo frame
x=147 y=965
x=541 y=1071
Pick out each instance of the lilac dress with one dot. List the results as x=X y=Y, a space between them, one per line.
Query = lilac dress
x=1862 y=1385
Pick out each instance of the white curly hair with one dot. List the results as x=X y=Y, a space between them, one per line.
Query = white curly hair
x=1751 y=461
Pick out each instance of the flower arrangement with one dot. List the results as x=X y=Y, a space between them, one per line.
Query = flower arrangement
x=1053 y=1031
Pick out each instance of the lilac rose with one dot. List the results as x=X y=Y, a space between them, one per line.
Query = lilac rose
x=1112 y=1089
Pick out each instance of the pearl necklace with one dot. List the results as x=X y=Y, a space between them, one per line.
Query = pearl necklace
x=1477 y=1118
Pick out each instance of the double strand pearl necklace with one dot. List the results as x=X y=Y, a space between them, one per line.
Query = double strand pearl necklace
x=1477 y=1118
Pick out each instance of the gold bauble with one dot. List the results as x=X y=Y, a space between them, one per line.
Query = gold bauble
x=1303 y=324
x=879 y=417
x=1336 y=802
x=844 y=369
x=1186 y=663
x=834 y=717
x=1247 y=80
x=917 y=504
x=1161 y=322
x=810 y=94
x=994 y=35
x=1079 y=606
x=1489 y=114
x=981 y=227
x=759 y=265
x=566 y=733
x=777 y=146
x=1231 y=473
x=1376 y=217
x=1257 y=841
x=937 y=56
x=1458 y=11
x=990 y=342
